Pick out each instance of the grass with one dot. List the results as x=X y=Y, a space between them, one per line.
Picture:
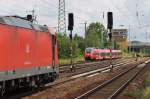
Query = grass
x=140 y=93
x=135 y=94
x=132 y=54
x=67 y=60
x=146 y=93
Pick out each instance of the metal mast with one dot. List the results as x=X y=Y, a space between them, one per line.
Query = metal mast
x=62 y=17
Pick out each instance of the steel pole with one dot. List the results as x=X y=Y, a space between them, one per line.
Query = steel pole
x=111 y=47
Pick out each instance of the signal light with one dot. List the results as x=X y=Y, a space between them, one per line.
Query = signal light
x=110 y=20
x=70 y=21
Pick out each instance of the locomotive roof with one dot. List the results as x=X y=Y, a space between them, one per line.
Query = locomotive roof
x=23 y=23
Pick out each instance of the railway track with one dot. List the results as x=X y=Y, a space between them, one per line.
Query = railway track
x=66 y=68
x=113 y=87
x=71 y=78
x=91 y=67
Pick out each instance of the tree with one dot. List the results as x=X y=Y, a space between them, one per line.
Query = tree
x=78 y=45
x=63 y=46
x=93 y=38
x=94 y=35
x=80 y=42
x=116 y=46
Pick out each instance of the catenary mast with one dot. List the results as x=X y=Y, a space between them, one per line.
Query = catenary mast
x=61 y=17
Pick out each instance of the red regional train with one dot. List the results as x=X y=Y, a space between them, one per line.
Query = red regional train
x=28 y=54
x=95 y=54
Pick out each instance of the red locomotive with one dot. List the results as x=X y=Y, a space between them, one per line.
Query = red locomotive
x=94 y=53
x=28 y=54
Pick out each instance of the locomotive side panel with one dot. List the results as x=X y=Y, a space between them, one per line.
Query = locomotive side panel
x=26 y=49
x=27 y=55
x=43 y=52
x=25 y=52
x=7 y=47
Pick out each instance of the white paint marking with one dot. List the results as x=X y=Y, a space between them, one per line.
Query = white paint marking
x=147 y=61
x=108 y=70
x=88 y=73
x=93 y=75
x=141 y=65
x=27 y=48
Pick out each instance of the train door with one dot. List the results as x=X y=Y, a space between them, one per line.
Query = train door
x=53 y=50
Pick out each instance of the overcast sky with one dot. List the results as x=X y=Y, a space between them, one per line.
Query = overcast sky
x=125 y=13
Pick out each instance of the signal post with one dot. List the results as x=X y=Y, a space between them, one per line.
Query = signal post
x=110 y=27
x=70 y=28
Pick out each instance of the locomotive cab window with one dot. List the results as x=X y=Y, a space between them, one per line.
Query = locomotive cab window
x=18 y=22
x=44 y=28
x=40 y=28
x=2 y=20
x=88 y=50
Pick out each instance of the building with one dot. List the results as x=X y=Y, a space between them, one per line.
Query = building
x=120 y=37
x=137 y=46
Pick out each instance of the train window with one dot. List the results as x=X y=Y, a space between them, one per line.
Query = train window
x=2 y=20
x=8 y=21
x=108 y=54
x=44 y=28
x=94 y=53
x=102 y=54
x=18 y=22
x=21 y=23
x=88 y=50
x=40 y=28
x=36 y=27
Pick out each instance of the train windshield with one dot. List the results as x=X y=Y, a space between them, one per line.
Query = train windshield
x=88 y=50
x=17 y=22
x=40 y=28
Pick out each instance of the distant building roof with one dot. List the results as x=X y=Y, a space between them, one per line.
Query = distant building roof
x=139 y=44
x=124 y=30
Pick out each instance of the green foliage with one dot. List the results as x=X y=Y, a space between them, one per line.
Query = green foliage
x=64 y=46
x=116 y=46
x=95 y=35
x=143 y=93
x=67 y=61
x=135 y=94
x=146 y=93
x=80 y=41
x=147 y=80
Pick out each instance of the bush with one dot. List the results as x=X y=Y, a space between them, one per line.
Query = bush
x=136 y=94
x=146 y=93
x=142 y=93
x=147 y=80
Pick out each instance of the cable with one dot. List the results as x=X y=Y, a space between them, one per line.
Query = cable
x=119 y=9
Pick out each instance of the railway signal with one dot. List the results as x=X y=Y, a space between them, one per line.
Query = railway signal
x=110 y=20
x=70 y=21
x=110 y=26
x=70 y=27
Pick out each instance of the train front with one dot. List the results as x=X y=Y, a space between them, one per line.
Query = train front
x=87 y=53
x=90 y=53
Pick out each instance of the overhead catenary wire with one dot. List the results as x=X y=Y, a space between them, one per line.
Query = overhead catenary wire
x=120 y=10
